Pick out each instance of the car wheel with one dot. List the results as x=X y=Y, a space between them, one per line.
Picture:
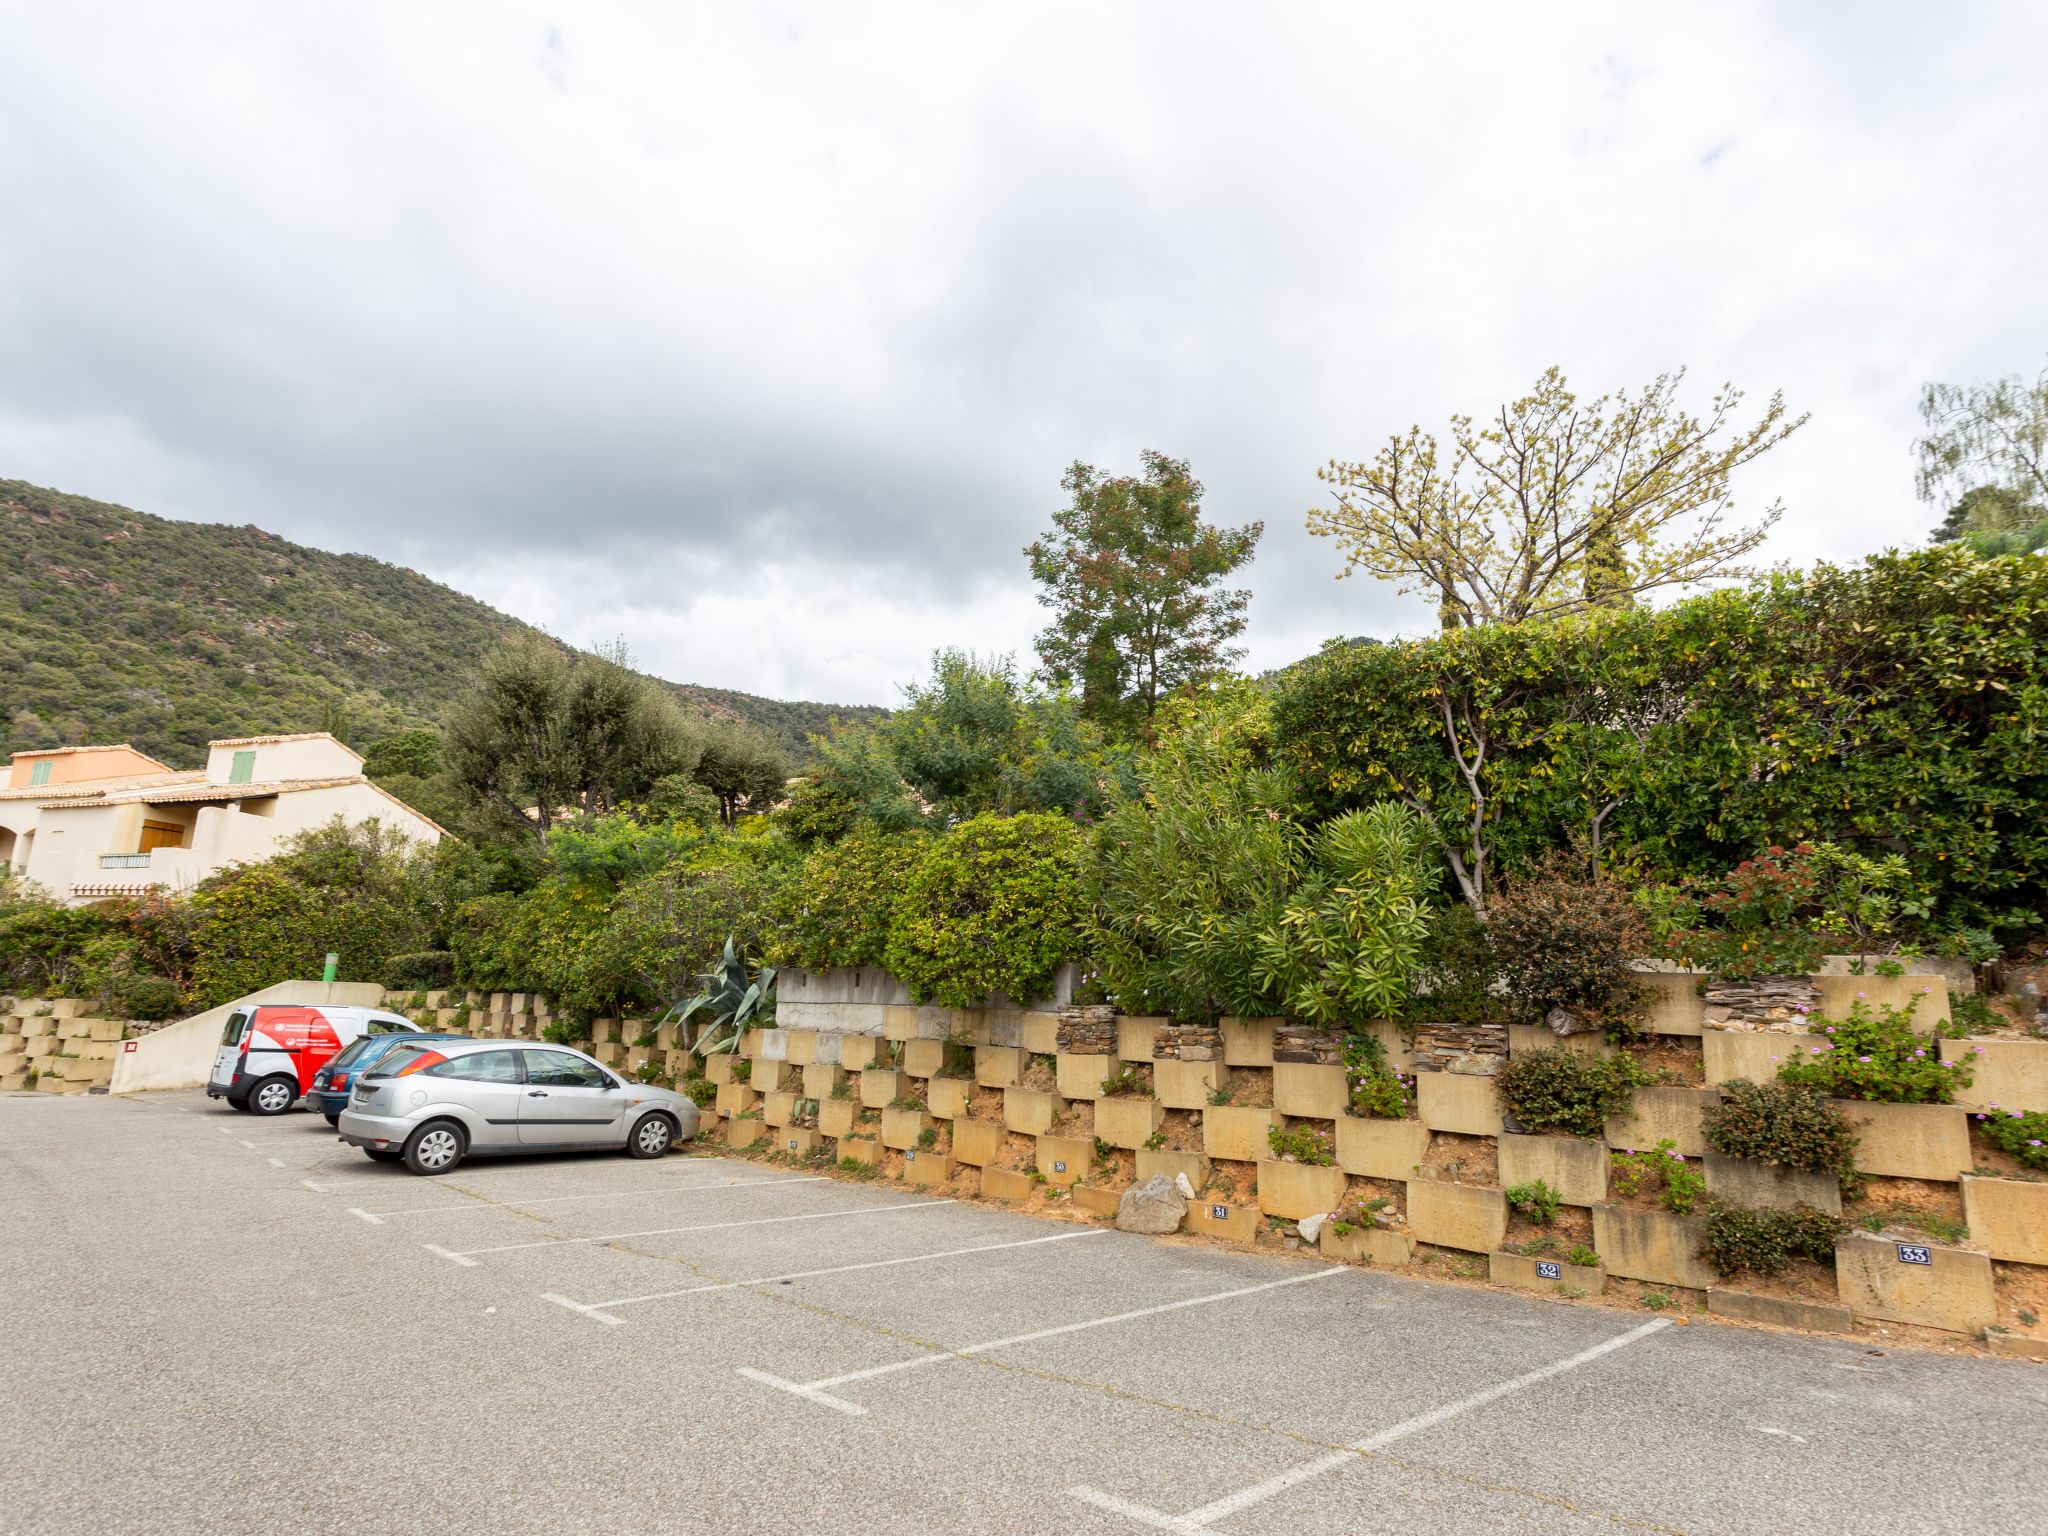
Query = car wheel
x=381 y=1155
x=272 y=1096
x=335 y=1118
x=652 y=1137
x=435 y=1147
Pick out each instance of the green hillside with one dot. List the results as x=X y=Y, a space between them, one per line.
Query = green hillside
x=119 y=626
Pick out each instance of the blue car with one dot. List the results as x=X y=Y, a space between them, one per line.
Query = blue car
x=329 y=1094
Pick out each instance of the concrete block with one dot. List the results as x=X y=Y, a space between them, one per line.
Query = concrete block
x=924 y=1058
x=50 y=1082
x=2008 y=1218
x=1576 y=1169
x=1453 y=1101
x=1065 y=1159
x=744 y=1133
x=1237 y=1134
x=862 y=1149
x=979 y=1142
x=1128 y=1121
x=948 y=1097
x=1096 y=1200
x=821 y=1079
x=1187 y=1084
x=1134 y=1037
x=1538 y=1037
x=1921 y=1283
x=1039 y=1033
x=779 y=1107
x=2016 y=1346
x=902 y=1127
x=105 y=1029
x=1927 y=996
x=1002 y=1026
x=879 y=1088
x=1217 y=1218
x=1736 y=1053
x=899 y=1022
x=1651 y=1245
x=999 y=1066
x=1310 y=1092
x=1367 y=1245
x=736 y=1099
x=1031 y=1111
x=929 y=1169
x=1527 y=1273
x=77 y=1069
x=1676 y=1007
x=769 y=1076
x=1661 y=1114
x=1778 y=1311
x=1080 y=1077
x=750 y=1042
x=1296 y=1190
x=1158 y=1160
x=1463 y=1216
x=1764 y=1187
x=1005 y=1184
x=837 y=1117
x=1248 y=1042
x=1909 y=1141
x=610 y=1052
x=797 y=1140
x=2012 y=1074
x=31 y=1027
x=1380 y=1149
x=857 y=1053
x=667 y=1037
x=770 y=1045
x=13 y=1082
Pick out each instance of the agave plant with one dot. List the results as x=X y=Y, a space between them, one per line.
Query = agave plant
x=732 y=1001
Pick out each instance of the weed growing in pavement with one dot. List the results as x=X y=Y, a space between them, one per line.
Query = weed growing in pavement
x=1535 y=1200
x=1656 y=1301
x=1301 y=1144
x=1680 y=1185
x=853 y=1167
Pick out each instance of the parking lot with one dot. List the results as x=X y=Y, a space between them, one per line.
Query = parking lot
x=225 y=1323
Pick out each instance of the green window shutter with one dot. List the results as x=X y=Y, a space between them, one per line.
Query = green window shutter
x=244 y=768
x=39 y=772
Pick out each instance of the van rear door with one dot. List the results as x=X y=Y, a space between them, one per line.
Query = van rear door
x=232 y=1034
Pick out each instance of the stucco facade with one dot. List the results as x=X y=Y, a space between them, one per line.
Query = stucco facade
x=121 y=834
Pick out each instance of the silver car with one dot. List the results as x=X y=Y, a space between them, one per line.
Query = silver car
x=435 y=1103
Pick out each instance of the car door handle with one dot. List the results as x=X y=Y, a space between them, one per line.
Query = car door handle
x=537 y=1093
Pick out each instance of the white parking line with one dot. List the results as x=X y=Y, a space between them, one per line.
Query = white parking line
x=598 y=1310
x=318 y=1189
x=815 y=1391
x=1200 y=1522
x=248 y=1144
x=376 y=1218
x=273 y=1162
x=713 y=1226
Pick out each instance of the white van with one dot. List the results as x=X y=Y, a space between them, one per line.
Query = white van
x=270 y=1051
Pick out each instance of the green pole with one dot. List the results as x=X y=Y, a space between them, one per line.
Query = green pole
x=333 y=965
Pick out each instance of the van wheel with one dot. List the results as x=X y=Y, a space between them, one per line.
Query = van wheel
x=272 y=1096
x=434 y=1148
x=652 y=1137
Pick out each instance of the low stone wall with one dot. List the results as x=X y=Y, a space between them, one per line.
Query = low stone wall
x=57 y=1045
x=1033 y=1121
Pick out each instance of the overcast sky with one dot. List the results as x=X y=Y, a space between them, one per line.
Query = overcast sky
x=760 y=335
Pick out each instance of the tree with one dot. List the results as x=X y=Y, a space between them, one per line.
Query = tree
x=1132 y=572
x=1986 y=435
x=743 y=767
x=853 y=784
x=1554 y=504
x=545 y=731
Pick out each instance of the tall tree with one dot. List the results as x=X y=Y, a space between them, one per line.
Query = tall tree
x=1132 y=573
x=1554 y=504
x=1992 y=434
x=744 y=767
x=545 y=731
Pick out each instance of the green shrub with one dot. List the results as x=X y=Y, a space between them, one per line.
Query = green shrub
x=1582 y=1256
x=1664 y=1169
x=2025 y=1136
x=426 y=969
x=995 y=905
x=1302 y=1144
x=148 y=997
x=1737 y=1240
x=1564 y=938
x=1557 y=1090
x=1123 y=1080
x=1876 y=1056
x=1786 y=1124
x=1377 y=1091
x=836 y=912
x=1535 y=1200
x=700 y=1091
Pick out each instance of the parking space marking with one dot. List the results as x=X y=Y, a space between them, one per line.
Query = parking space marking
x=713 y=1226
x=816 y=1391
x=273 y=1162
x=1202 y=1522
x=454 y=1258
x=377 y=1218
x=248 y=1144
x=318 y=1189
x=598 y=1310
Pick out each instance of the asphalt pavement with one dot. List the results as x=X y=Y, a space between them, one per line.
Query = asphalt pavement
x=224 y=1324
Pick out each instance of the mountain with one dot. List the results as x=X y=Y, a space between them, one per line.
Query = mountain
x=119 y=626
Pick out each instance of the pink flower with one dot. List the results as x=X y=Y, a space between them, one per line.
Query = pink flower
x=1863 y=1058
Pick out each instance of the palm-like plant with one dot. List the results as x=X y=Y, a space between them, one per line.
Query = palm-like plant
x=733 y=1000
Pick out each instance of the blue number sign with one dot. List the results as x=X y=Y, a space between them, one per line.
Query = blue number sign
x=1219 y=1212
x=1058 y=1166
x=1549 y=1269
x=1910 y=1253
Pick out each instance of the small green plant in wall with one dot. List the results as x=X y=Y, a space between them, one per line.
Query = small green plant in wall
x=1156 y=1141
x=1300 y=1144
x=1126 y=1079
x=1661 y=1170
x=1535 y=1200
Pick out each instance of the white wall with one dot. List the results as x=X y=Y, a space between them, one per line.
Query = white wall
x=318 y=757
x=181 y=1055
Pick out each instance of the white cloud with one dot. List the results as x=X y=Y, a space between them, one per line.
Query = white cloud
x=761 y=335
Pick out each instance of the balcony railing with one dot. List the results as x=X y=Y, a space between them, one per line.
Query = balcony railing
x=124 y=861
